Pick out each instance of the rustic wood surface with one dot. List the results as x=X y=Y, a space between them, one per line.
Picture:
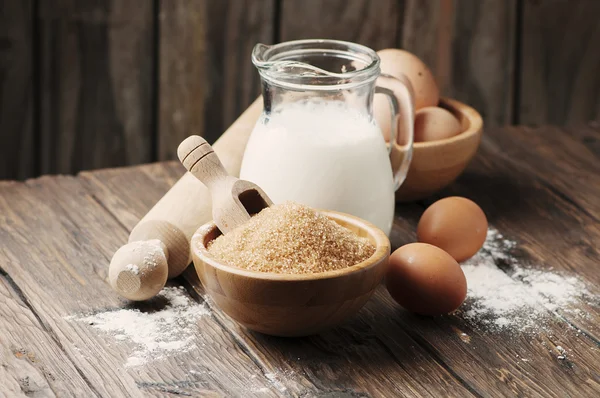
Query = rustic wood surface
x=100 y=83
x=95 y=84
x=470 y=46
x=18 y=155
x=374 y=24
x=537 y=185
x=206 y=78
x=559 y=79
x=232 y=82
x=182 y=67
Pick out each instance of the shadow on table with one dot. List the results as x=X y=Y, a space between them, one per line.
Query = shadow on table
x=499 y=195
x=372 y=347
x=156 y=303
x=502 y=198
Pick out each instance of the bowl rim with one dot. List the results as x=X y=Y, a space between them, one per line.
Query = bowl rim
x=382 y=249
x=474 y=118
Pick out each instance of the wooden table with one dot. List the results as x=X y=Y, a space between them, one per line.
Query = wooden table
x=538 y=186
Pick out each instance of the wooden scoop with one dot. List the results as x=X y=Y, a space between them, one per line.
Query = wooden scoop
x=234 y=201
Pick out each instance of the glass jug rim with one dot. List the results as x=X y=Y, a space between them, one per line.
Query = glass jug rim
x=276 y=64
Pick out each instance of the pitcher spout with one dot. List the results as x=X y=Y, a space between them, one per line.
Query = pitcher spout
x=259 y=58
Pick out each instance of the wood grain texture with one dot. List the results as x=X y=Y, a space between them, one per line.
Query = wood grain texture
x=483 y=58
x=530 y=200
x=383 y=351
x=62 y=273
x=183 y=73
x=17 y=154
x=32 y=363
x=560 y=83
x=372 y=23
x=588 y=135
x=70 y=264
x=232 y=82
x=551 y=190
x=96 y=83
x=470 y=46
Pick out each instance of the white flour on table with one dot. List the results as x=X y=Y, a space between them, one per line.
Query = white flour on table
x=521 y=299
x=155 y=334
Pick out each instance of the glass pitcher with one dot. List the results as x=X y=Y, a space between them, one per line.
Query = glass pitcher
x=317 y=142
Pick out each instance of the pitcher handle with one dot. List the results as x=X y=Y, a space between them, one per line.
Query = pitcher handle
x=400 y=93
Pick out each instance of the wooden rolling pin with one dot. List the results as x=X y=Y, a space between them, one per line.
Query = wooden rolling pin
x=159 y=245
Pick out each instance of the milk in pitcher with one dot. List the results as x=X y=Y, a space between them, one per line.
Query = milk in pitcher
x=323 y=154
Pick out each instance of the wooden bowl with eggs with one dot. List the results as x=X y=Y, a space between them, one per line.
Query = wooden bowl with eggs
x=436 y=164
x=443 y=146
x=292 y=304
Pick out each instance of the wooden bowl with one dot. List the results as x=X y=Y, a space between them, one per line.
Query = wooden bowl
x=290 y=304
x=436 y=164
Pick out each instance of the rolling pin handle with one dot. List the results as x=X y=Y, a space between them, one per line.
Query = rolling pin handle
x=139 y=270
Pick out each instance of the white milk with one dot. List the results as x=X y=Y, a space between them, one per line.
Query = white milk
x=324 y=155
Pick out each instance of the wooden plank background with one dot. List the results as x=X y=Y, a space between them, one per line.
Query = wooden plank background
x=98 y=83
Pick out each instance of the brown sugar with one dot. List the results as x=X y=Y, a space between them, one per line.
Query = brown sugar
x=291 y=238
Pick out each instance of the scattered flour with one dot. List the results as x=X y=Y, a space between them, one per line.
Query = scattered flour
x=272 y=377
x=153 y=250
x=154 y=334
x=562 y=352
x=519 y=299
x=133 y=268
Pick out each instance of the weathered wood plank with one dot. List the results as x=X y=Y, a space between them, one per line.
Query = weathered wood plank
x=31 y=362
x=57 y=242
x=357 y=358
x=470 y=46
x=588 y=135
x=548 y=203
x=232 y=82
x=309 y=364
x=372 y=23
x=556 y=159
x=384 y=350
x=483 y=58
x=96 y=83
x=560 y=83
x=20 y=379
x=17 y=154
x=183 y=73
x=487 y=364
x=505 y=364
x=55 y=268
x=553 y=233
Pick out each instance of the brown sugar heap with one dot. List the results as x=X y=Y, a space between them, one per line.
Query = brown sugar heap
x=293 y=239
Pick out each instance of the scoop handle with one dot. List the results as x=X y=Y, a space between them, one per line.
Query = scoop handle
x=199 y=158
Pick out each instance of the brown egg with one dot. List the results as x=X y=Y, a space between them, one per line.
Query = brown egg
x=433 y=123
x=425 y=279
x=456 y=225
x=396 y=62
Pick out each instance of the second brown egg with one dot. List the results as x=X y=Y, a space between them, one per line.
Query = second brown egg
x=433 y=123
x=454 y=224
